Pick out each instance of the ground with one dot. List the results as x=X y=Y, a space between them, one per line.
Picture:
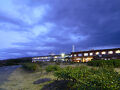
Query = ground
x=15 y=78
x=5 y=72
x=18 y=79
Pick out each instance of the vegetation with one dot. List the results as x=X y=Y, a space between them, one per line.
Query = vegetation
x=52 y=68
x=17 y=61
x=109 y=63
x=31 y=66
x=63 y=77
x=89 y=78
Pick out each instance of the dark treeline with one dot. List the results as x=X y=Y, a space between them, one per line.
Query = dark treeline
x=16 y=61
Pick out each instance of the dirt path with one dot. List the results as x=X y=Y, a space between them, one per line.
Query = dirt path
x=5 y=72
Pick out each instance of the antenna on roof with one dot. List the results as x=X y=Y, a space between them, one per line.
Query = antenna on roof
x=73 y=48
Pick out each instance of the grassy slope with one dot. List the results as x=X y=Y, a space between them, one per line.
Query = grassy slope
x=22 y=80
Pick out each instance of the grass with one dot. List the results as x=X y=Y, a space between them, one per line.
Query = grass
x=20 y=79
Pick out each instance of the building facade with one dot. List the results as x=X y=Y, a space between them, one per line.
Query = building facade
x=106 y=54
x=41 y=58
x=54 y=58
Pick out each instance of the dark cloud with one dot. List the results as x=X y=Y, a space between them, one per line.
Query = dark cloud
x=87 y=24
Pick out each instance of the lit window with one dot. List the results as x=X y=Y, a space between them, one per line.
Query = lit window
x=85 y=54
x=75 y=55
x=118 y=51
x=55 y=56
x=103 y=52
x=110 y=52
x=79 y=54
x=91 y=54
x=97 y=53
x=78 y=59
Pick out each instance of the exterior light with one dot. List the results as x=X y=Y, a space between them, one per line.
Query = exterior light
x=62 y=55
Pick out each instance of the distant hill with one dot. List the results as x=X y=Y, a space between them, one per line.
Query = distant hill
x=16 y=61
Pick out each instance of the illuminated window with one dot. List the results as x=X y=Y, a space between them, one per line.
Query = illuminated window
x=105 y=59
x=46 y=57
x=78 y=59
x=110 y=52
x=75 y=55
x=85 y=54
x=79 y=54
x=103 y=52
x=97 y=53
x=55 y=57
x=91 y=54
x=118 y=51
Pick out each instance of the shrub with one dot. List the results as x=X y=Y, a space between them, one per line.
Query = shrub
x=109 y=63
x=52 y=68
x=31 y=66
x=90 y=78
x=57 y=63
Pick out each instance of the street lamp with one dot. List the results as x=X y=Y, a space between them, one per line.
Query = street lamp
x=62 y=55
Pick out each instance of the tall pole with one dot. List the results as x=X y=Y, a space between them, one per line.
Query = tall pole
x=73 y=48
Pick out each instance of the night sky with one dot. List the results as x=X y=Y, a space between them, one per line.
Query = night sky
x=40 y=27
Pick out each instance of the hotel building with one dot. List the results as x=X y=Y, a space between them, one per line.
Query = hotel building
x=62 y=57
x=106 y=54
x=40 y=58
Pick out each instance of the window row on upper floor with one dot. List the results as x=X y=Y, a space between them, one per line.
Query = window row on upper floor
x=41 y=58
x=56 y=57
x=97 y=53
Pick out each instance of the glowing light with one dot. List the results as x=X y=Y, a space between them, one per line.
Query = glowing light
x=118 y=51
x=97 y=53
x=55 y=57
x=85 y=54
x=62 y=55
x=103 y=52
x=75 y=55
x=78 y=59
x=110 y=52
x=91 y=54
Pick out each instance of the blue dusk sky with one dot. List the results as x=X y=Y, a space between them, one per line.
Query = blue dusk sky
x=40 y=27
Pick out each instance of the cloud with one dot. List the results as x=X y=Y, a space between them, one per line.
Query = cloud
x=9 y=37
x=38 y=27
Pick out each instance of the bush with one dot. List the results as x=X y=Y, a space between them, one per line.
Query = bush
x=90 y=78
x=109 y=63
x=52 y=68
x=57 y=63
x=31 y=66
